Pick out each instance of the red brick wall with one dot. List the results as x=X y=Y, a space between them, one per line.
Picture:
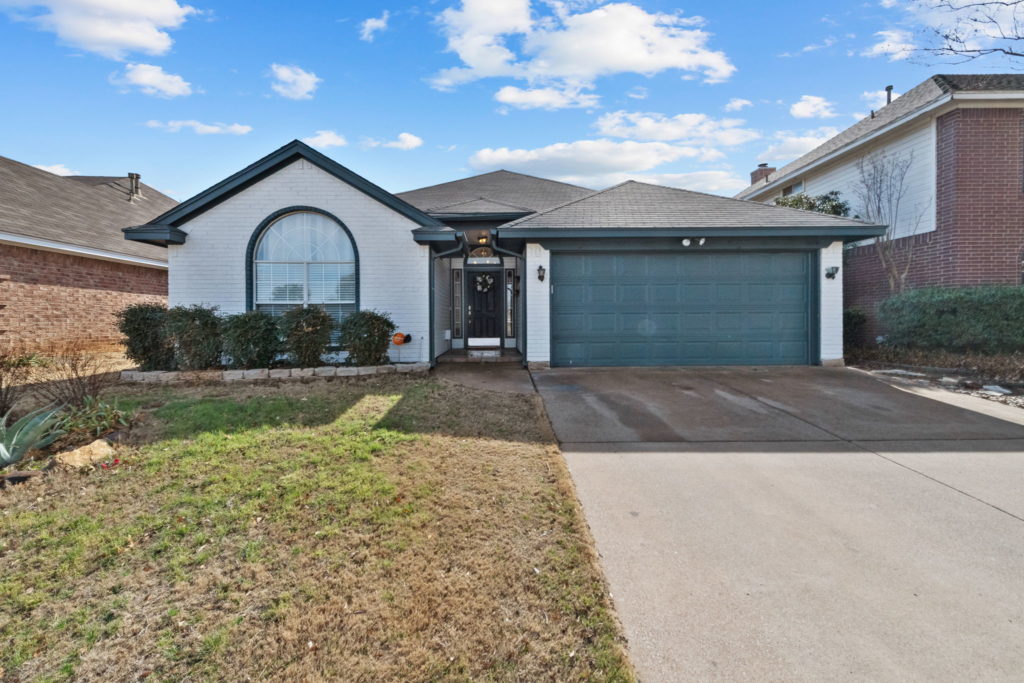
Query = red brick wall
x=979 y=203
x=47 y=297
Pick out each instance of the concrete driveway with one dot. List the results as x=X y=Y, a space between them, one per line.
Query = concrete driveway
x=798 y=523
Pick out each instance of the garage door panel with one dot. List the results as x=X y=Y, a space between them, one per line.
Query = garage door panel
x=680 y=309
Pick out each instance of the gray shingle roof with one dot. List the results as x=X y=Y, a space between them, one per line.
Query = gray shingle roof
x=635 y=205
x=84 y=211
x=917 y=98
x=505 y=188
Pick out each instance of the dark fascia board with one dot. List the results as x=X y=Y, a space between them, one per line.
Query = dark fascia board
x=155 y=234
x=848 y=233
x=467 y=217
x=435 y=236
x=255 y=172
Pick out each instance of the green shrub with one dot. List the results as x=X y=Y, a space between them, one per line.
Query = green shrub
x=306 y=332
x=366 y=336
x=251 y=339
x=94 y=418
x=987 y=319
x=854 y=322
x=36 y=430
x=195 y=333
x=144 y=327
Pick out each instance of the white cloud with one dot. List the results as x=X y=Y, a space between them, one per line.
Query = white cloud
x=323 y=139
x=200 y=128
x=545 y=98
x=404 y=141
x=371 y=26
x=293 y=82
x=584 y=157
x=791 y=145
x=690 y=129
x=813 y=47
x=738 y=104
x=812 y=107
x=876 y=98
x=572 y=48
x=111 y=28
x=715 y=182
x=56 y=169
x=153 y=80
x=895 y=44
x=637 y=93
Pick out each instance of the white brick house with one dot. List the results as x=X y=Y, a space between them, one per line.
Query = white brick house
x=514 y=265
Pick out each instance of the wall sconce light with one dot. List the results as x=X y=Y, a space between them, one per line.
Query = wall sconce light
x=540 y=273
x=482 y=239
x=831 y=272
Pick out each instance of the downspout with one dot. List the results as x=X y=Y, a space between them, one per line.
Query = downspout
x=433 y=258
x=522 y=292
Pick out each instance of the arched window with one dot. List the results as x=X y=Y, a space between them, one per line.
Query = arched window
x=305 y=258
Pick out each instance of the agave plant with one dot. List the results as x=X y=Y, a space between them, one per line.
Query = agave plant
x=38 y=429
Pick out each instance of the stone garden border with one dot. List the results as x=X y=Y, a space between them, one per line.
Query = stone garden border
x=274 y=373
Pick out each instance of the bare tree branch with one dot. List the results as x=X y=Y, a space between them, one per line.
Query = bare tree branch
x=881 y=189
x=970 y=29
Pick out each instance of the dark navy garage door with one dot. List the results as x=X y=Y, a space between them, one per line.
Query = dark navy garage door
x=681 y=309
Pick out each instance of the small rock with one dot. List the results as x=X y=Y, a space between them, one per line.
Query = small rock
x=303 y=372
x=98 y=451
x=347 y=371
x=951 y=380
x=233 y=375
x=367 y=370
x=325 y=371
x=996 y=389
x=260 y=373
x=120 y=436
x=281 y=373
x=385 y=369
x=168 y=377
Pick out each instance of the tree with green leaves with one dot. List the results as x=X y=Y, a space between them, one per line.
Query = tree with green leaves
x=829 y=203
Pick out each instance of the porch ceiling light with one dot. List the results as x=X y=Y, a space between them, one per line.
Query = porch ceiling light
x=540 y=273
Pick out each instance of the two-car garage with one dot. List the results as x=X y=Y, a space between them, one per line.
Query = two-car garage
x=614 y=309
x=644 y=275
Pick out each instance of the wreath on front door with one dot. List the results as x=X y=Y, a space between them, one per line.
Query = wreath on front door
x=484 y=282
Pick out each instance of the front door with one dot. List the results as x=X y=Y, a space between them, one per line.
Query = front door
x=483 y=307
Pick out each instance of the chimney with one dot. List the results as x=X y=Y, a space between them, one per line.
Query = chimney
x=134 y=189
x=888 y=94
x=761 y=173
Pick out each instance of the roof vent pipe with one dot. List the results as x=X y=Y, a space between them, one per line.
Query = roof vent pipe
x=888 y=94
x=133 y=186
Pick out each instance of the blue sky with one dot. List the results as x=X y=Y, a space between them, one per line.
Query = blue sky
x=584 y=91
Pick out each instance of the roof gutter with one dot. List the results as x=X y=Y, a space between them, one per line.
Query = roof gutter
x=76 y=250
x=859 y=142
x=845 y=232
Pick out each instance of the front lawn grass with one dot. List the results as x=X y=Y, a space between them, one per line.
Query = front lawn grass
x=391 y=529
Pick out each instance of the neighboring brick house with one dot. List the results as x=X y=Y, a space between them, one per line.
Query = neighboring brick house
x=65 y=267
x=963 y=214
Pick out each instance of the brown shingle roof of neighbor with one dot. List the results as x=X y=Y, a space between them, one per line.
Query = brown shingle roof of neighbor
x=81 y=211
x=495 y=192
x=636 y=205
x=920 y=96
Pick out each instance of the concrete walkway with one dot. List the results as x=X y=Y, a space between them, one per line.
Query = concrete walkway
x=505 y=377
x=798 y=523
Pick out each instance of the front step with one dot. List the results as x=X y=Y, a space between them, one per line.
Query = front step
x=481 y=356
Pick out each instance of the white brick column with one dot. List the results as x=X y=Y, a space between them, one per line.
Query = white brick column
x=831 y=305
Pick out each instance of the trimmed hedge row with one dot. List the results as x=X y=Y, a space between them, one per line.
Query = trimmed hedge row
x=196 y=338
x=987 y=319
